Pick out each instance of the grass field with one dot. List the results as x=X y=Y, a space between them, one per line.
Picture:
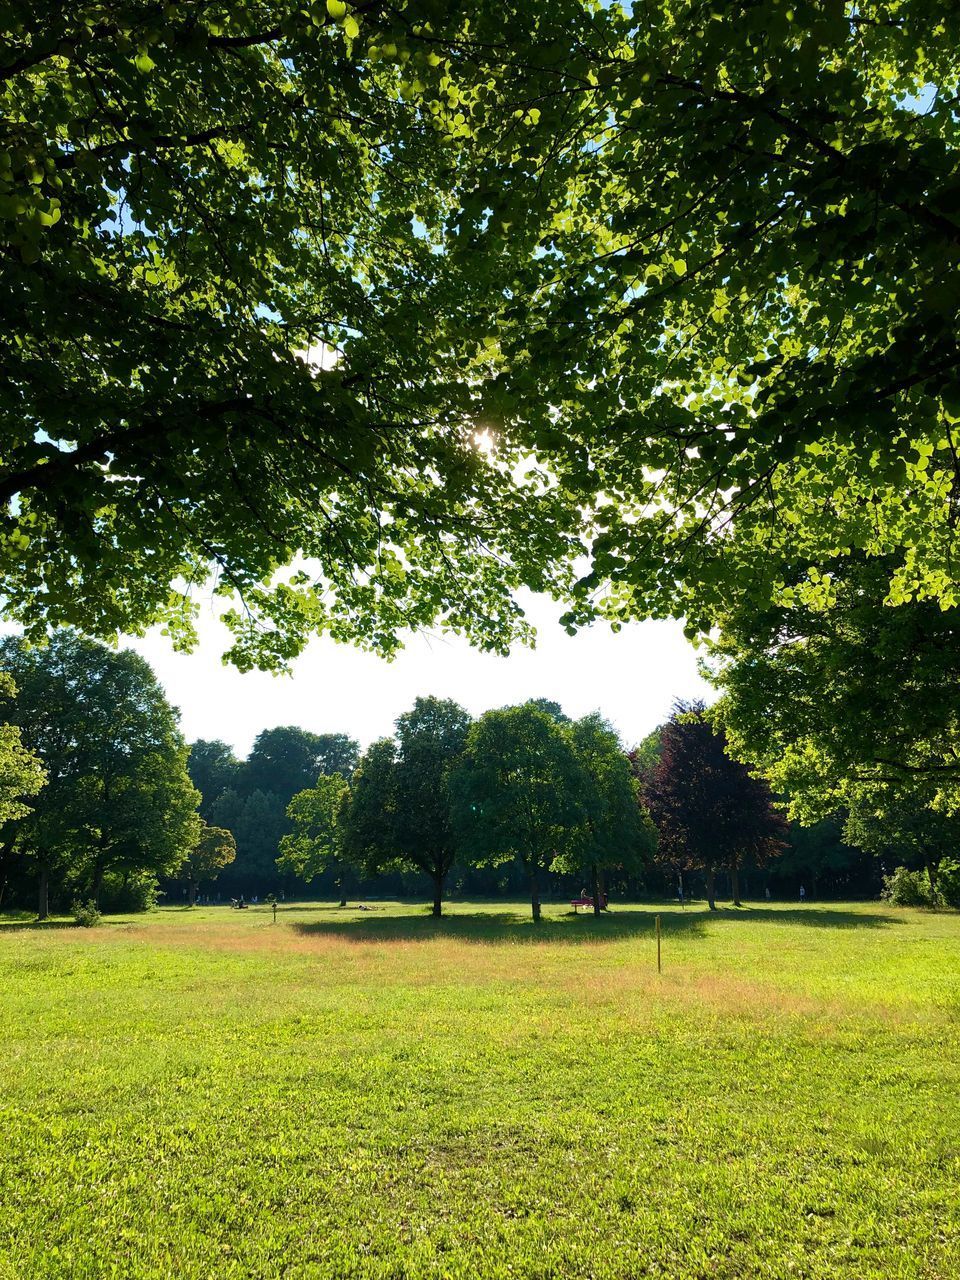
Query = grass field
x=345 y=1094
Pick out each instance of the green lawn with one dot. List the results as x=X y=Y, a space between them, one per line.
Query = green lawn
x=205 y=1094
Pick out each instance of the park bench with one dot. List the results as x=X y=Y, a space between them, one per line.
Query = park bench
x=577 y=903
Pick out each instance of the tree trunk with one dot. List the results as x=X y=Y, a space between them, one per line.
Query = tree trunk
x=438 y=895
x=712 y=889
x=534 y=894
x=43 y=897
x=96 y=887
x=192 y=892
x=931 y=877
x=735 y=886
x=596 y=890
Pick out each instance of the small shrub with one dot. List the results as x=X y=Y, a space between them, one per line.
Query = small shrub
x=906 y=888
x=86 y=914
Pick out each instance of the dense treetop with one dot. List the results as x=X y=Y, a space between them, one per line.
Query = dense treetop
x=828 y=701
x=268 y=275
x=228 y=320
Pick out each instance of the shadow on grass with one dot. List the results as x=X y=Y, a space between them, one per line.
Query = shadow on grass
x=513 y=926
x=26 y=924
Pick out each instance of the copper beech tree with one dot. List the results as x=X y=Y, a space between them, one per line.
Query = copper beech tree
x=710 y=813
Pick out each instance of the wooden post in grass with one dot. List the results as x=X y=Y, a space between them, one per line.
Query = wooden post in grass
x=659 y=970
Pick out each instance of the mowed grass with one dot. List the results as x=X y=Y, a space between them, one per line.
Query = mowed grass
x=347 y=1094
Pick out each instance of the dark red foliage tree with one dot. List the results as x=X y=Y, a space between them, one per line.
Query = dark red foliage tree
x=709 y=811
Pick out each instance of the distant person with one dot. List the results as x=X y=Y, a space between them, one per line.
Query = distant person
x=803 y=894
x=767 y=893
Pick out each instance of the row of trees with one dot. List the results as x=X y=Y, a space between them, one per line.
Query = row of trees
x=100 y=798
x=520 y=784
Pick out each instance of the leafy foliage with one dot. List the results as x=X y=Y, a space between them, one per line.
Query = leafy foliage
x=906 y=888
x=235 y=319
x=431 y=739
x=289 y=759
x=708 y=809
x=214 y=850
x=829 y=701
x=213 y=769
x=616 y=831
x=86 y=914
x=315 y=841
x=118 y=797
x=269 y=272
x=21 y=773
x=519 y=793
x=903 y=822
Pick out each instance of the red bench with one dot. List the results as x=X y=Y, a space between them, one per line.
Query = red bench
x=576 y=903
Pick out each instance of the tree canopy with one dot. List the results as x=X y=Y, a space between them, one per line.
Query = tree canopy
x=213 y=769
x=315 y=842
x=380 y=311
x=615 y=829
x=118 y=797
x=289 y=759
x=828 y=701
x=233 y=320
x=519 y=793
x=214 y=850
x=708 y=810
x=21 y=773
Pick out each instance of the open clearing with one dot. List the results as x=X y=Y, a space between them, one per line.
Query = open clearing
x=346 y=1094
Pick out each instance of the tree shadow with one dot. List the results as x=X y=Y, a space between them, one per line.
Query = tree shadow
x=377 y=925
x=44 y=926
x=27 y=922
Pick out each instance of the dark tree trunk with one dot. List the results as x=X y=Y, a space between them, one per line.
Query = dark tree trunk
x=602 y=886
x=931 y=867
x=712 y=889
x=534 y=893
x=735 y=886
x=192 y=892
x=96 y=888
x=596 y=890
x=43 y=896
x=438 y=894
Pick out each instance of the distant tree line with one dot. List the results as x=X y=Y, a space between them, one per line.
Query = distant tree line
x=250 y=797
x=102 y=802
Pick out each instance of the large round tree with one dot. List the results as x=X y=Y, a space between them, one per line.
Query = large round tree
x=118 y=798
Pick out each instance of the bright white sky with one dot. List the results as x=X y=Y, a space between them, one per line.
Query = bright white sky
x=631 y=677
